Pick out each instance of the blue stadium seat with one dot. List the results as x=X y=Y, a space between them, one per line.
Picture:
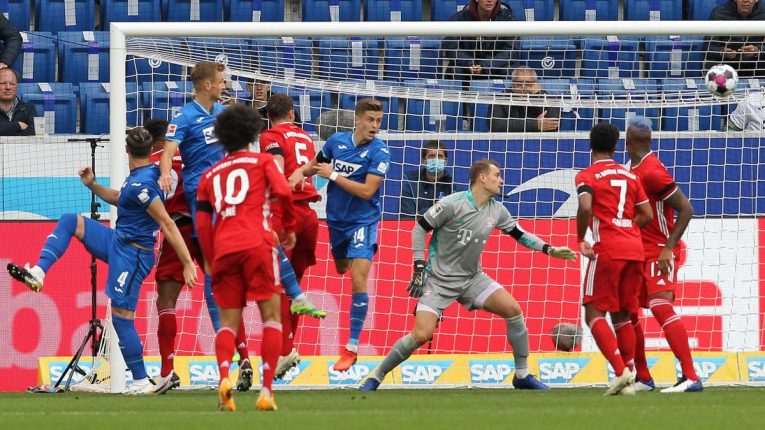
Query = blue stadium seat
x=182 y=10
x=343 y=59
x=164 y=99
x=393 y=10
x=94 y=106
x=589 y=10
x=674 y=56
x=610 y=58
x=573 y=91
x=56 y=102
x=533 y=10
x=238 y=90
x=254 y=10
x=653 y=10
x=628 y=89
x=129 y=11
x=699 y=10
x=235 y=54
x=402 y=61
x=549 y=56
x=83 y=56
x=37 y=60
x=696 y=118
x=367 y=89
x=424 y=114
x=309 y=103
x=18 y=12
x=482 y=111
x=52 y=16
x=442 y=10
x=285 y=56
x=331 y=10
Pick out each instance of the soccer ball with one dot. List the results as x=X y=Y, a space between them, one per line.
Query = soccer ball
x=721 y=80
x=566 y=336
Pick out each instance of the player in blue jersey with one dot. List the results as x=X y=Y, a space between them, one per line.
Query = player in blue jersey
x=355 y=164
x=128 y=249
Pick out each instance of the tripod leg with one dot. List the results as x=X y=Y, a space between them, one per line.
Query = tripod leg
x=73 y=365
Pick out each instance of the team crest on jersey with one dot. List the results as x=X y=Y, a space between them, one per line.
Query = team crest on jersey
x=364 y=154
x=490 y=222
x=171 y=130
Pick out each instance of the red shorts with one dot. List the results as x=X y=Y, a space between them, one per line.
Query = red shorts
x=654 y=282
x=612 y=285
x=169 y=266
x=303 y=255
x=252 y=274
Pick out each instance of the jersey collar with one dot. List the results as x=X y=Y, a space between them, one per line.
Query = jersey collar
x=471 y=199
x=641 y=160
x=203 y=108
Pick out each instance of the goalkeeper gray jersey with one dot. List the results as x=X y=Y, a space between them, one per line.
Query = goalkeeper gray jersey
x=460 y=231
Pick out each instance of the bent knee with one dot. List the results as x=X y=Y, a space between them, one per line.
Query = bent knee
x=420 y=336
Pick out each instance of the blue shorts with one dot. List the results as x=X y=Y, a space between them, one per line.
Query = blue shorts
x=354 y=241
x=128 y=265
x=191 y=200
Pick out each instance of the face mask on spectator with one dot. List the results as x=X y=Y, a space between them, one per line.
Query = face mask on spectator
x=435 y=165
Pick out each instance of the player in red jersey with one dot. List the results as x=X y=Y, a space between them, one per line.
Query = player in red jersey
x=660 y=237
x=239 y=192
x=614 y=206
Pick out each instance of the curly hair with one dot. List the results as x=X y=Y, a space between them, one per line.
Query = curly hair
x=139 y=142
x=603 y=138
x=156 y=127
x=237 y=126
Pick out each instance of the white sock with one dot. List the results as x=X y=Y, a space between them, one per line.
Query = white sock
x=522 y=372
x=352 y=348
x=300 y=296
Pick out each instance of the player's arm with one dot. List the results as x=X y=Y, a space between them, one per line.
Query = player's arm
x=205 y=229
x=509 y=226
x=281 y=199
x=273 y=143
x=88 y=179
x=364 y=190
x=170 y=231
x=166 y=165
x=680 y=203
x=583 y=218
x=438 y=215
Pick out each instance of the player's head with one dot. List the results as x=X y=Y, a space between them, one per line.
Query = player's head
x=745 y=7
x=369 y=113
x=603 y=138
x=138 y=142
x=209 y=79
x=335 y=121
x=157 y=127
x=524 y=81
x=280 y=108
x=638 y=134
x=434 y=156
x=8 y=85
x=485 y=175
x=237 y=126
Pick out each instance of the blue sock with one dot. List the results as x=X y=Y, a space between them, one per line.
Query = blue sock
x=57 y=242
x=212 y=307
x=289 y=280
x=130 y=345
x=359 y=305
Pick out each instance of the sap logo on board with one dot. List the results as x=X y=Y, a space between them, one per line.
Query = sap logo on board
x=705 y=366
x=56 y=369
x=756 y=367
x=651 y=361
x=560 y=370
x=424 y=372
x=203 y=373
x=291 y=374
x=354 y=375
x=490 y=371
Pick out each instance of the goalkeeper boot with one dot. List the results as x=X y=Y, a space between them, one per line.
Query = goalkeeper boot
x=347 y=359
x=167 y=383
x=685 y=385
x=244 y=381
x=530 y=382
x=620 y=382
x=226 y=396
x=144 y=387
x=266 y=401
x=647 y=385
x=304 y=306
x=32 y=277
x=286 y=363
x=370 y=384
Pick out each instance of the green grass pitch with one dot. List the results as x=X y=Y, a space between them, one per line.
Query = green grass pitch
x=465 y=409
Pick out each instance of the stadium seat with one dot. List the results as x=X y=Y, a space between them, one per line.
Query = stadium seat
x=331 y=10
x=56 y=102
x=573 y=91
x=37 y=60
x=549 y=56
x=234 y=53
x=628 y=90
x=412 y=58
x=674 y=56
x=364 y=89
x=342 y=59
x=52 y=16
x=424 y=114
x=94 y=106
x=254 y=10
x=163 y=100
x=393 y=10
x=148 y=69
x=129 y=11
x=84 y=56
x=699 y=10
x=482 y=111
x=610 y=57
x=693 y=118
x=285 y=56
x=18 y=12
x=653 y=10
x=442 y=10
x=589 y=10
x=309 y=103
x=193 y=10
x=533 y=10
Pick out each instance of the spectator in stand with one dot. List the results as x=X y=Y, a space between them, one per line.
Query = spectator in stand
x=506 y=118
x=749 y=114
x=261 y=91
x=17 y=117
x=744 y=53
x=11 y=43
x=424 y=187
x=335 y=121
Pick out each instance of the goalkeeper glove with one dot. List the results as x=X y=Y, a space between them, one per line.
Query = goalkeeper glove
x=563 y=253
x=415 y=285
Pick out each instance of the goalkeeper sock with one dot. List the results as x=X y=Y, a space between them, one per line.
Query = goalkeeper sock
x=518 y=336
x=359 y=305
x=641 y=364
x=677 y=337
x=401 y=351
x=606 y=342
x=130 y=345
x=212 y=307
x=58 y=241
x=166 y=331
x=625 y=337
x=269 y=350
x=286 y=326
x=224 y=350
x=241 y=342
x=289 y=280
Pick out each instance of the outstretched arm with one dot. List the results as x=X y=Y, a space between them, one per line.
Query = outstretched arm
x=88 y=179
x=583 y=218
x=531 y=241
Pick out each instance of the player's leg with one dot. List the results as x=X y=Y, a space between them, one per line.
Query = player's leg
x=290 y=283
x=212 y=305
x=674 y=330
x=270 y=348
x=643 y=378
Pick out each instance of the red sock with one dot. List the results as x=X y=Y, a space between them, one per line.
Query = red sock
x=641 y=364
x=625 y=337
x=269 y=350
x=286 y=326
x=606 y=341
x=224 y=350
x=241 y=342
x=166 y=331
x=677 y=337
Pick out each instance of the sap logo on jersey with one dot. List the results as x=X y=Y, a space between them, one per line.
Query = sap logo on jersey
x=490 y=371
x=203 y=373
x=424 y=372
x=345 y=168
x=560 y=370
x=354 y=375
x=650 y=360
x=210 y=136
x=705 y=367
x=756 y=367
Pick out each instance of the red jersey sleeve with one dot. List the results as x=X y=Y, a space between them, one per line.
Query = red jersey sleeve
x=659 y=182
x=583 y=183
x=272 y=142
